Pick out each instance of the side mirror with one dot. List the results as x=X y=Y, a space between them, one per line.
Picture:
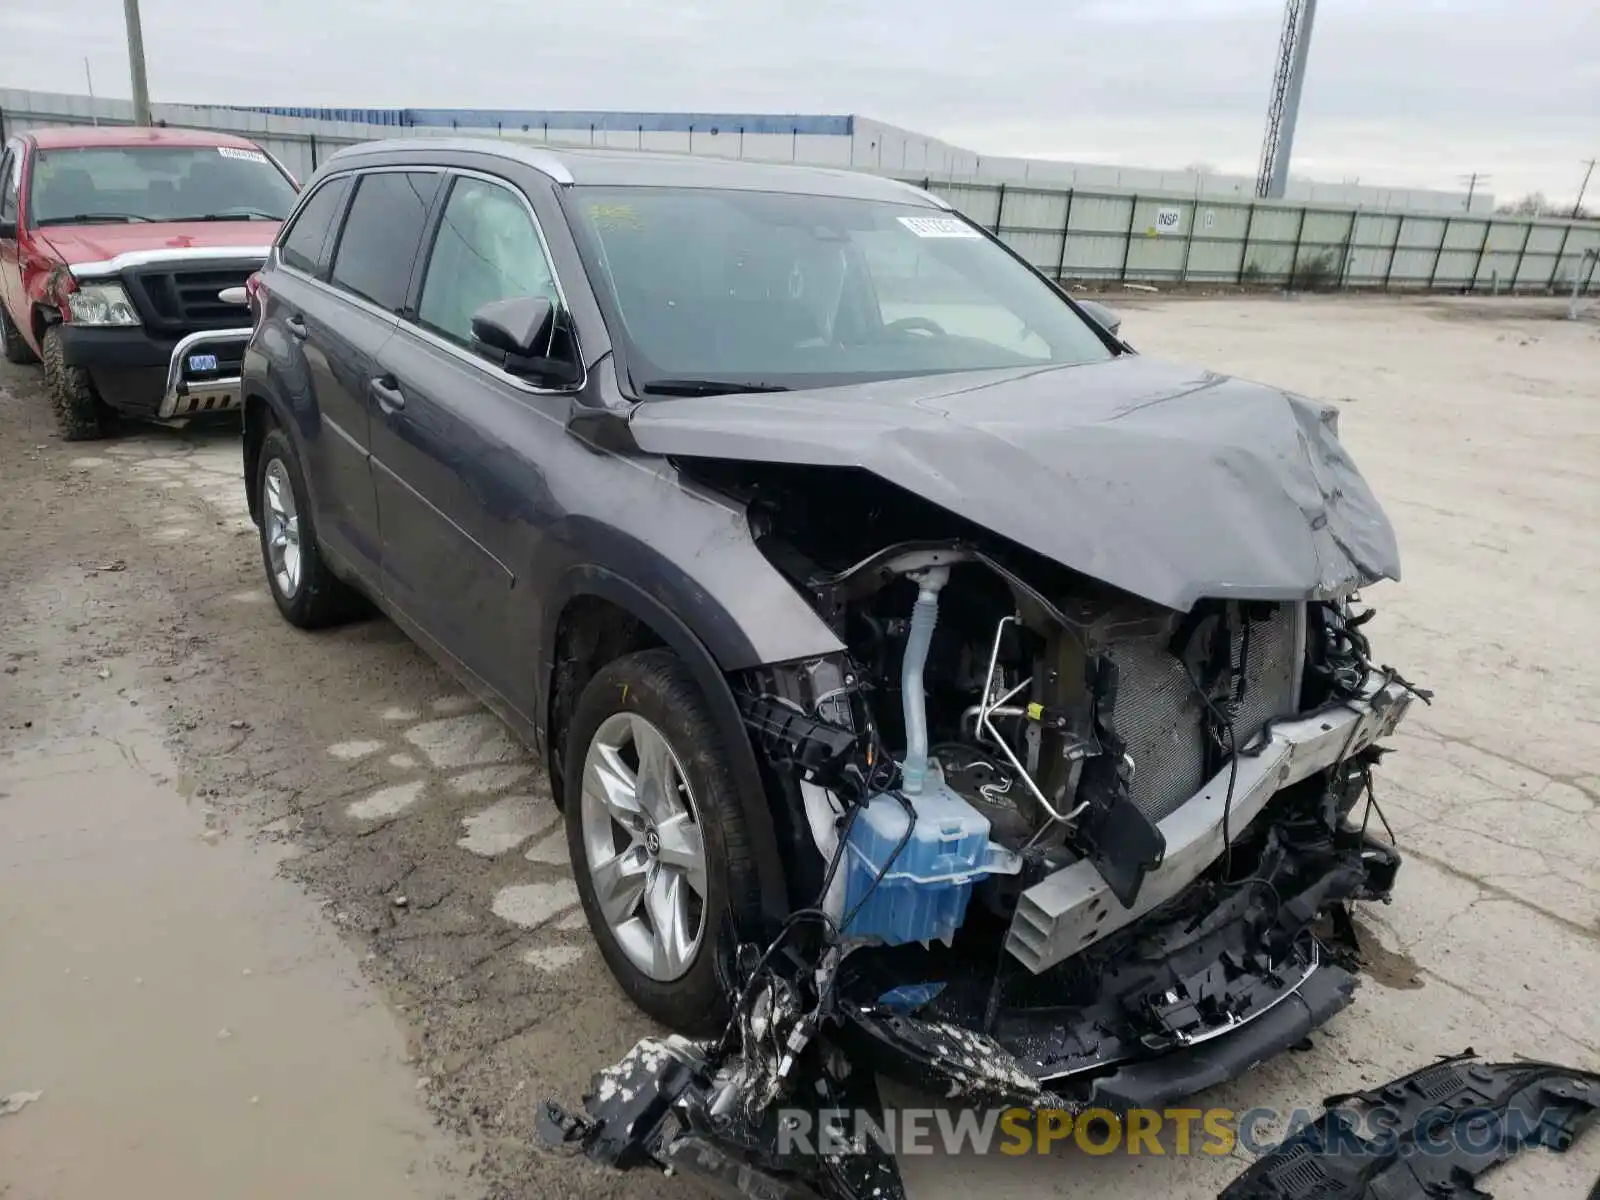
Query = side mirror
x=520 y=325
x=1102 y=316
x=8 y=230
x=516 y=334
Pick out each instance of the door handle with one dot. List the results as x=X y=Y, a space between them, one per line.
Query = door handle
x=296 y=326
x=386 y=391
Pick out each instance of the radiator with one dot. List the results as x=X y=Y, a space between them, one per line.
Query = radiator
x=1159 y=717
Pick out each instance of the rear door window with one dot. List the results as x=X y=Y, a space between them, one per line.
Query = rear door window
x=381 y=235
x=305 y=246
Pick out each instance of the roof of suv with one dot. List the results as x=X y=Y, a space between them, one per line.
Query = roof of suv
x=635 y=168
x=78 y=137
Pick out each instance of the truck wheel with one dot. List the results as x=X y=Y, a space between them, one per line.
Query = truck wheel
x=657 y=837
x=11 y=344
x=307 y=592
x=81 y=415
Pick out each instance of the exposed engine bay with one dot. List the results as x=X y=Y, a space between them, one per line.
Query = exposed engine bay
x=1049 y=843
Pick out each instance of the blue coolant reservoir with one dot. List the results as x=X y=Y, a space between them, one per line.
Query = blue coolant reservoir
x=924 y=894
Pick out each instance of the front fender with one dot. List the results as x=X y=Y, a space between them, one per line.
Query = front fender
x=693 y=553
x=605 y=584
x=43 y=278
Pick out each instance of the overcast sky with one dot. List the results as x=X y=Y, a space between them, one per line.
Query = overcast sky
x=1399 y=92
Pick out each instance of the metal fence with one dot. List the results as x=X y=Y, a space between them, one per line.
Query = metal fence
x=1103 y=235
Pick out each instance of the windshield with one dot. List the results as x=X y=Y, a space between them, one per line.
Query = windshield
x=156 y=183
x=761 y=290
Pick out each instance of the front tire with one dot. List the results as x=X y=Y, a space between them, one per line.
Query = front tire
x=11 y=344
x=657 y=837
x=81 y=416
x=306 y=591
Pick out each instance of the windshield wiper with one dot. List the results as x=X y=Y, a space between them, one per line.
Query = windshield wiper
x=249 y=214
x=90 y=218
x=705 y=387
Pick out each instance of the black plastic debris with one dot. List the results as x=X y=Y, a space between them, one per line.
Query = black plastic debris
x=1428 y=1135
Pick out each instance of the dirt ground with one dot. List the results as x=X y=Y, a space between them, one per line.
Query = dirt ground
x=268 y=900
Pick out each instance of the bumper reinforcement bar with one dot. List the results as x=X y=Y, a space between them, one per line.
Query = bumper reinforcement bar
x=184 y=396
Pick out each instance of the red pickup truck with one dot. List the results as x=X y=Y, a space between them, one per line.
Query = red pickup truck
x=123 y=260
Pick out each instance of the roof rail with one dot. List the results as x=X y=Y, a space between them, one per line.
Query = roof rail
x=533 y=156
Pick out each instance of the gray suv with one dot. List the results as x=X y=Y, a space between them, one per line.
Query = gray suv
x=924 y=676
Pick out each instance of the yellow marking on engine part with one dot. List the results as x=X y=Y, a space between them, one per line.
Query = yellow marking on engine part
x=1035 y=712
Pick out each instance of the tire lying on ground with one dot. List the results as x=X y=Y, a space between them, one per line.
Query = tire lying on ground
x=81 y=415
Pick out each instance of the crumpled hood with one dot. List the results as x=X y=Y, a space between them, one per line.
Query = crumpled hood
x=1170 y=483
x=102 y=242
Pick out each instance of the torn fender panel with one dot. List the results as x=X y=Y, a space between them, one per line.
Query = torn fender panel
x=1428 y=1135
x=1164 y=481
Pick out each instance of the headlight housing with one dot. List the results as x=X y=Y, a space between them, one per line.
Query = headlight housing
x=101 y=304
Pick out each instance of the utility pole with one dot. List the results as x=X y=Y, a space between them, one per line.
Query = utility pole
x=141 y=87
x=1472 y=181
x=1577 y=205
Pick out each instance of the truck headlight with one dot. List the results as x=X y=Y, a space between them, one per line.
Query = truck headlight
x=101 y=304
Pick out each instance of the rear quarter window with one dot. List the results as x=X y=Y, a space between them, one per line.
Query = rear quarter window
x=382 y=234
x=305 y=244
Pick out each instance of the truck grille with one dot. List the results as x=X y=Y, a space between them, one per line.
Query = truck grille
x=1159 y=717
x=184 y=299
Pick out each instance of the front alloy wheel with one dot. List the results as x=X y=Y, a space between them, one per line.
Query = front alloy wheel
x=657 y=832
x=643 y=846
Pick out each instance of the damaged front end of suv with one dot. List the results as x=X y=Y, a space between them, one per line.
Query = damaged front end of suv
x=1076 y=816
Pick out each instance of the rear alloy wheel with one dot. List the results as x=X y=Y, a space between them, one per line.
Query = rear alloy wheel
x=657 y=836
x=281 y=529
x=307 y=593
x=12 y=347
x=81 y=416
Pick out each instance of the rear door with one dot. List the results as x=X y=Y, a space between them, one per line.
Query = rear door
x=459 y=446
x=353 y=286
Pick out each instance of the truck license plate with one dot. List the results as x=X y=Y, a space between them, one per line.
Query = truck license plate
x=202 y=362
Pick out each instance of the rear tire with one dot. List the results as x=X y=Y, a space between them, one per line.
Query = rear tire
x=306 y=591
x=11 y=344
x=81 y=416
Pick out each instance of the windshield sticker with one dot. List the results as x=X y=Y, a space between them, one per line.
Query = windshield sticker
x=938 y=227
x=254 y=156
x=614 y=216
